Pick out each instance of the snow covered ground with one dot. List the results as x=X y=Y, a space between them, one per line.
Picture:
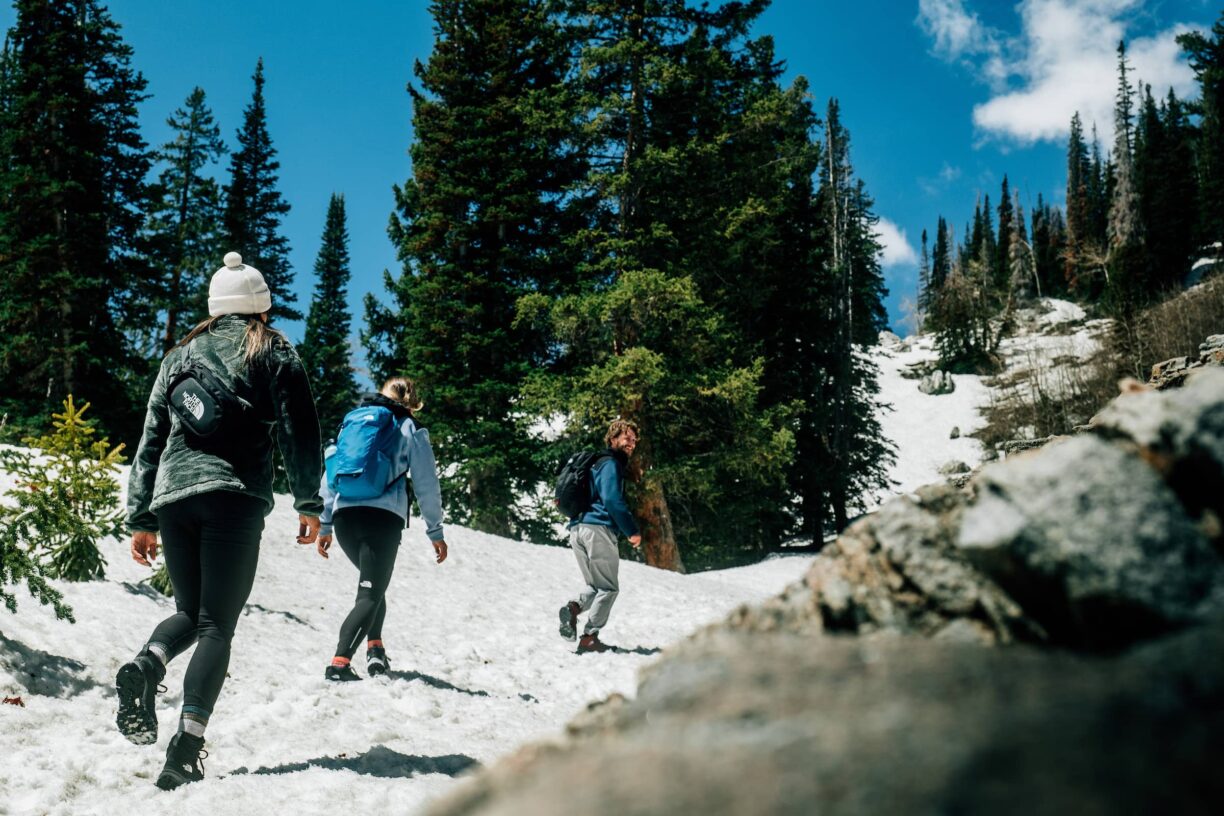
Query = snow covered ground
x=478 y=669
x=920 y=425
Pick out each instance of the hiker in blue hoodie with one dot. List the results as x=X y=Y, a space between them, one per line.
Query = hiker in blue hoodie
x=593 y=539
x=368 y=529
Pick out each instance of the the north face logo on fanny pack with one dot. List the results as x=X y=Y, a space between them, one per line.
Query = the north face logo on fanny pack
x=194 y=404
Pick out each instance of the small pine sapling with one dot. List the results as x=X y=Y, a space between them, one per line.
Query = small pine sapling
x=66 y=495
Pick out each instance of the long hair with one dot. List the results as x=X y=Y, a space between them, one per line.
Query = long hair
x=618 y=428
x=403 y=391
x=258 y=340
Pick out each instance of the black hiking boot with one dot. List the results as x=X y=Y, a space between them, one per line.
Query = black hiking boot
x=136 y=685
x=569 y=620
x=377 y=661
x=184 y=761
x=592 y=643
x=341 y=674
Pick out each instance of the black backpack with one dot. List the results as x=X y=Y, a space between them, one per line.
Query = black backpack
x=573 y=491
x=204 y=402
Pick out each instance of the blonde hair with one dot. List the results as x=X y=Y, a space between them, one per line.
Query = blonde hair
x=618 y=428
x=258 y=340
x=403 y=391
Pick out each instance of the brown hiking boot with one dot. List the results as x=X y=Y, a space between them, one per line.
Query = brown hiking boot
x=569 y=620
x=591 y=643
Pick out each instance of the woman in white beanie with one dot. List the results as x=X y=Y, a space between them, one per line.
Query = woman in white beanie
x=202 y=479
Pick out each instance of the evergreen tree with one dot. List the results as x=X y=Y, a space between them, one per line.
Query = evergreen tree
x=1021 y=260
x=856 y=455
x=254 y=207
x=184 y=224
x=1207 y=60
x=1004 y=250
x=696 y=154
x=71 y=183
x=1049 y=248
x=1166 y=188
x=1126 y=253
x=480 y=225
x=924 y=280
x=1078 y=219
x=941 y=257
x=325 y=348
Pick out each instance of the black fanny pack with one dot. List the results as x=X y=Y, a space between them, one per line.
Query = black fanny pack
x=203 y=402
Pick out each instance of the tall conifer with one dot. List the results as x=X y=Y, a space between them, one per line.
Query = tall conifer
x=325 y=348
x=478 y=226
x=1207 y=60
x=184 y=228
x=254 y=208
x=71 y=183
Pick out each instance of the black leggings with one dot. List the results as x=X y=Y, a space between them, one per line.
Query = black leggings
x=370 y=537
x=211 y=545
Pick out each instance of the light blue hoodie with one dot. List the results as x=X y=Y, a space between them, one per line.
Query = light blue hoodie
x=416 y=457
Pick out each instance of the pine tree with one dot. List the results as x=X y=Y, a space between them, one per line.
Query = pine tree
x=1004 y=251
x=1207 y=60
x=478 y=226
x=71 y=180
x=924 y=280
x=941 y=257
x=1126 y=257
x=1021 y=260
x=1049 y=247
x=254 y=207
x=1079 y=206
x=184 y=222
x=856 y=455
x=695 y=153
x=325 y=349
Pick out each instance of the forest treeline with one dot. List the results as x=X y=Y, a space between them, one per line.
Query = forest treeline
x=616 y=208
x=1137 y=218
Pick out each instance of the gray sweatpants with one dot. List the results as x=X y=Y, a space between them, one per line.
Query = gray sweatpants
x=594 y=546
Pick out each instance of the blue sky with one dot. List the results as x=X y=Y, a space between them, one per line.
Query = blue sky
x=942 y=97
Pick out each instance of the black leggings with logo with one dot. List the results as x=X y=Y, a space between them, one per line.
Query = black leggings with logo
x=370 y=537
x=210 y=543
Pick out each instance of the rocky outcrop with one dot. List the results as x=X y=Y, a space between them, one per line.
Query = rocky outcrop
x=1107 y=544
x=937 y=382
x=786 y=724
x=1173 y=373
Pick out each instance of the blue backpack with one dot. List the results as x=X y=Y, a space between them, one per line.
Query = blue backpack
x=359 y=467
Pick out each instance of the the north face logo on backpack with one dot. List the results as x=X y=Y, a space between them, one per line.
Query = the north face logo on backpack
x=360 y=466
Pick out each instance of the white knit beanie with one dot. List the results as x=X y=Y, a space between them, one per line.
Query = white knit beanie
x=237 y=289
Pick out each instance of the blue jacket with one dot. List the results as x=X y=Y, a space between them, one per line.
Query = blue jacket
x=416 y=457
x=608 y=496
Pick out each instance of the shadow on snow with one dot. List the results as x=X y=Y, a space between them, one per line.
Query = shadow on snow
x=379 y=761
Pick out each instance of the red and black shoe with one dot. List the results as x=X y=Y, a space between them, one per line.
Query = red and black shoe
x=592 y=643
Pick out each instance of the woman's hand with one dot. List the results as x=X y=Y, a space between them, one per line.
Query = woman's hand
x=308 y=529
x=440 y=549
x=324 y=543
x=144 y=547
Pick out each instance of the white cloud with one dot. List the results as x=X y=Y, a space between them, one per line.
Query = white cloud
x=895 y=247
x=1063 y=60
x=962 y=37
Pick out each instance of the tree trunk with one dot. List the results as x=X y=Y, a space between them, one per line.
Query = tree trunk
x=658 y=539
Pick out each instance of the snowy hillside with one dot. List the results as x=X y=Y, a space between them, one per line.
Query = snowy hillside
x=478 y=669
x=921 y=425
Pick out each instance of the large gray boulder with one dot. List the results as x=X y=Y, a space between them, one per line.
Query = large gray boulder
x=787 y=724
x=1092 y=543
